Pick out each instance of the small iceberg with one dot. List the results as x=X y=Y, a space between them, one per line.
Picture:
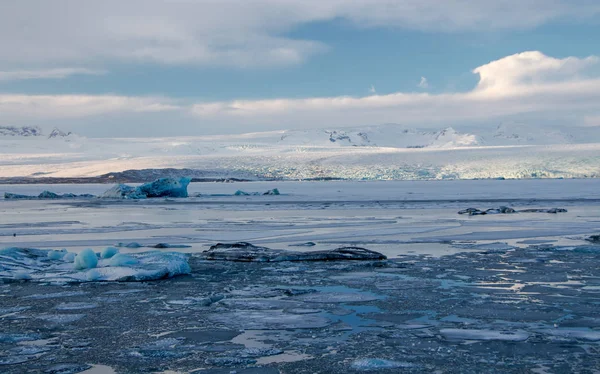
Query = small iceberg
x=41 y=265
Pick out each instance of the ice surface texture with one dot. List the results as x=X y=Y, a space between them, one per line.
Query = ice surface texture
x=247 y=252
x=43 y=266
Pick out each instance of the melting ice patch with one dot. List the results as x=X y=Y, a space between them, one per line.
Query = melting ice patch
x=474 y=334
x=37 y=265
x=373 y=364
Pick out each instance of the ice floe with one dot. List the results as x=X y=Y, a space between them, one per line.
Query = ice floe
x=475 y=334
x=247 y=252
x=36 y=265
x=376 y=364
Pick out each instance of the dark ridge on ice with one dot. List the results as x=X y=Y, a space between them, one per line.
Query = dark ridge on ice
x=594 y=239
x=508 y=210
x=246 y=252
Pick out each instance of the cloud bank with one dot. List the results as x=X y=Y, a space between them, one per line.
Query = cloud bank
x=251 y=33
x=525 y=83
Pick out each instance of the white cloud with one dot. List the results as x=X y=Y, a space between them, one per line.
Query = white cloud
x=55 y=73
x=592 y=121
x=528 y=82
x=251 y=33
x=423 y=83
x=77 y=106
x=372 y=89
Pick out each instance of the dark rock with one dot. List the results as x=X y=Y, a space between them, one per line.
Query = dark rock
x=472 y=211
x=307 y=244
x=594 y=239
x=552 y=210
x=246 y=252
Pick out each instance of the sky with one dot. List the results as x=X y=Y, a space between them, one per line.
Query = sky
x=195 y=67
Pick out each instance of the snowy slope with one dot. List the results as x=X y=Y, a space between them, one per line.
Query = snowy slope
x=378 y=152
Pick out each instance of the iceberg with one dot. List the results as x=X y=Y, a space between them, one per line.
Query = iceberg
x=163 y=187
x=166 y=187
x=87 y=259
x=41 y=265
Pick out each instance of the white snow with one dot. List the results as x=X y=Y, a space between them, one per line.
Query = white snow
x=376 y=152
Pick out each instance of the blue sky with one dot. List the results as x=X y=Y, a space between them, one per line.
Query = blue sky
x=226 y=66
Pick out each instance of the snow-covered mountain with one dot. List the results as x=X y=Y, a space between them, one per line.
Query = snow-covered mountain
x=509 y=150
x=381 y=136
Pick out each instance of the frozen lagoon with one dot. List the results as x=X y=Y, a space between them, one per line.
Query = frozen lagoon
x=495 y=293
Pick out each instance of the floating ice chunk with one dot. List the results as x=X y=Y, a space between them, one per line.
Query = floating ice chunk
x=93 y=275
x=163 y=187
x=241 y=193
x=274 y=191
x=121 y=259
x=87 y=259
x=76 y=305
x=69 y=257
x=269 y=320
x=22 y=275
x=473 y=334
x=140 y=266
x=61 y=318
x=573 y=333
x=48 y=195
x=130 y=245
x=45 y=195
x=9 y=195
x=56 y=255
x=122 y=191
x=166 y=187
x=368 y=364
x=594 y=239
x=108 y=252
